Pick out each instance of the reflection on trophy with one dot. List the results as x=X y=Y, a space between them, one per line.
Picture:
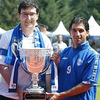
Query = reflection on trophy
x=56 y=48
x=35 y=61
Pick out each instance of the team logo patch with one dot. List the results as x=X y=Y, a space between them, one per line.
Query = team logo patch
x=79 y=62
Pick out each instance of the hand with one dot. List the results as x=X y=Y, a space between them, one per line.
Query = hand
x=20 y=93
x=54 y=96
x=56 y=58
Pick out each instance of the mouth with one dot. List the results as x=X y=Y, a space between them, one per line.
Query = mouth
x=28 y=22
x=77 y=39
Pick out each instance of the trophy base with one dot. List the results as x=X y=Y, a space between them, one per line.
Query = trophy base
x=34 y=96
x=35 y=90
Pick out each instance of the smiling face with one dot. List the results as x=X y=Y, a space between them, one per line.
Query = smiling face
x=28 y=17
x=78 y=34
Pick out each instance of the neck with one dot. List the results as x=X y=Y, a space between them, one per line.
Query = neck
x=59 y=41
x=27 y=31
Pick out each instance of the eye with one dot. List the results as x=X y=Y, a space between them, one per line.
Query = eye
x=25 y=14
x=32 y=14
x=81 y=30
x=73 y=30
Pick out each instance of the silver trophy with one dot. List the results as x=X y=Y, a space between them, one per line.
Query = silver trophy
x=35 y=61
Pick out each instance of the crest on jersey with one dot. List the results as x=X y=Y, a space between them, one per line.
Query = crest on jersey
x=79 y=62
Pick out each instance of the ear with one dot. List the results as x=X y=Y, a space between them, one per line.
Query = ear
x=19 y=16
x=88 y=33
x=70 y=36
x=37 y=16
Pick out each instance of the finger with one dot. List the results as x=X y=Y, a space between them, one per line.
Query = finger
x=50 y=94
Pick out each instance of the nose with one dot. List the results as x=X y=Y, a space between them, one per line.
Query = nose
x=77 y=33
x=29 y=17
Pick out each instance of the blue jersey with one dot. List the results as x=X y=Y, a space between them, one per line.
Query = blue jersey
x=79 y=65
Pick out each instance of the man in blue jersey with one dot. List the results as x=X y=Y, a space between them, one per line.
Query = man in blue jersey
x=78 y=66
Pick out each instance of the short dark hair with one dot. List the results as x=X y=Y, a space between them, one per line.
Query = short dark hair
x=27 y=3
x=42 y=26
x=59 y=35
x=78 y=20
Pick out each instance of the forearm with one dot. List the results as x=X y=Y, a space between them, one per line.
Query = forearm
x=5 y=72
x=80 y=88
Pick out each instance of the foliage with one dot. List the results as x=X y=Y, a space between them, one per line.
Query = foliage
x=8 y=14
x=98 y=90
x=51 y=12
x=48 y=13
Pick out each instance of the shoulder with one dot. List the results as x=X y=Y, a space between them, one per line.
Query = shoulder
x=47 y=41
x=89 y=50
x=7 y=34
x=93 y=52
x=45 y=37
x=55 y=43
x=5 y=39
x=64 y=43
x=65 y=51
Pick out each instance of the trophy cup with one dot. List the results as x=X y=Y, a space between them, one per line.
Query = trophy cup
x=35 y=61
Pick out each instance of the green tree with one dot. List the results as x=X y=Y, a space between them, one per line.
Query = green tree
x=64 y=11
x=8 y=14
x=51 y=12
x=94 y=9
x=86 y=8
x=48 y=13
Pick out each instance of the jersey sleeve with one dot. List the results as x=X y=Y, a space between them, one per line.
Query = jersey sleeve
x=4 y=43
x=91 y=71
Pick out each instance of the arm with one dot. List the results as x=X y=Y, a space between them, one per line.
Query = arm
x=56 y=58
x=5 y=72
x=80 y=88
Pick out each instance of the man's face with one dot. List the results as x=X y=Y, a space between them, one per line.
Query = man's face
x=28 y=17
x=59 y=38
x=78 y=34
x=44 y=30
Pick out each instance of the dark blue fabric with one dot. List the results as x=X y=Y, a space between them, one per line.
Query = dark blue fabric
x=52 y=73
x=3 y=52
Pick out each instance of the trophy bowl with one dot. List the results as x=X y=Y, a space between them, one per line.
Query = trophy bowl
x=35 y=61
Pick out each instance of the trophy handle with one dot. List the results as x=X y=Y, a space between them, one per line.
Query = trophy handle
x=13 y=48
x=44 y=70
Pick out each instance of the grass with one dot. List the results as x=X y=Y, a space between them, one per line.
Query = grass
x=98 y=90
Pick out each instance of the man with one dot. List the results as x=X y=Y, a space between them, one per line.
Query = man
x=60 y=43
x=43 y=28
x=28 y=13
x=78 y=66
